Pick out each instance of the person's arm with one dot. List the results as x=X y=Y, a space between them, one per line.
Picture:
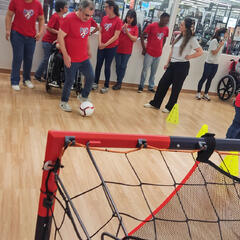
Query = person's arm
x=40 y=27
x=66 y=57
x=95 y=30
x=111 y=40
x=132 y=38
x=143 y=36
x=169 y=59
x=214 y=52
x=52 y=30
x=198 y=53
x=8 y=23
x=164 y=41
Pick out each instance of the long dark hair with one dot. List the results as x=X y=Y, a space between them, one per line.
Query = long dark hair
x=112 y=3
x=189 y=24
x=131 y=14
x=218 y=34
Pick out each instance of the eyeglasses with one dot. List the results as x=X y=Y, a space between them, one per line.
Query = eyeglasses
x=87 y=15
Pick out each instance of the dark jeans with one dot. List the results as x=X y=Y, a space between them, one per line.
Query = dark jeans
x=85 y=68
x=42 y=68
x=57 y=67
x=175 y=76
x=121 y=65
x=23 y=50
x=234 y=129
x=106 y=54
x=209 y=73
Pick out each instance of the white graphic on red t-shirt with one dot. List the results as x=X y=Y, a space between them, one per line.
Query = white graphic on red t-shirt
x=107 y=26
x=28 y=13
x=160 y=36
x=83 y=32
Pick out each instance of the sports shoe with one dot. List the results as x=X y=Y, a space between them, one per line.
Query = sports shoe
x=140 y=89
x=198 y=96
x=151 y=90
x=104 y=90
x=165 y=110
x=53 y=84
x=38 y=78
x=16 y=87
x=94 y=86
x=148 y=105
x=65 y=107
x=28 y=83
x=117 y=86
x=81 y=98
x=206 y=97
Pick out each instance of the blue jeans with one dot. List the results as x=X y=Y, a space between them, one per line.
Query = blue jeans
x=106 y=54
x=43 y=65
x=209 y=73
x=121 y=65
x=86 y=69
x=148 y=62
x=234 y=130
x=23 y=50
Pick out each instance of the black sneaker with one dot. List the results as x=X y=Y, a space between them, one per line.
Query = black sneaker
x=38 y=78
x=140 y=89
x=151 y=90
x=117 y=86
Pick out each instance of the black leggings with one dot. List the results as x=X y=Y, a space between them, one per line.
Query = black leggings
x=106 y=54
x=209 y=73
x=175 y=75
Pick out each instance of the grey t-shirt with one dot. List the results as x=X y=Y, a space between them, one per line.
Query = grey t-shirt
x=191 y=45
x=213 y=59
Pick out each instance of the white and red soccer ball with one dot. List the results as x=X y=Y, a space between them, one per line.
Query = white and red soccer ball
x=86 y=109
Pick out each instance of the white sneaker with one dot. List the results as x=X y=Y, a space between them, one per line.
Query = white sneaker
x=28 y=83
x=94 y=86
x=81 y=98
x=165 y=110
x=104 y=90
x=65 y=107
x=53 y=84
x=148 y=105
x=206 y=97
x=198 y=96
x=16 y=87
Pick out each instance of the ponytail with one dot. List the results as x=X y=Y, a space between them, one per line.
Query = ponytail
x=111 y=3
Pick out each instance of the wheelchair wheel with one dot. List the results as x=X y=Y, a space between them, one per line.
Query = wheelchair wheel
x=226 y=87
x=78 y=83
x=49 y=73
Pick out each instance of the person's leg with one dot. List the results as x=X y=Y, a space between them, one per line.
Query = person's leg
x=181 y=71
x=29 y=48
x=147 y=62
x=118 y=59
x=205 y=75
x=110 y=54
x=87 y=70
x=70 y=74
x=57 y=68
x=163 y=87
x=100 y=60
x=154 y=68
x=123 y=67
x=214 y=68
x=43 y=65
x=17 y=43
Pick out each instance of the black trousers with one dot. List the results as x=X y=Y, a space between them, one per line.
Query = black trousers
x=175 y=75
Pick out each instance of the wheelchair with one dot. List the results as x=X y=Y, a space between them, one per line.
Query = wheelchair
x=229 y=85
x=55 y=73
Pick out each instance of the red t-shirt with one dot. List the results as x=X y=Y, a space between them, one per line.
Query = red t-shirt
x=155 y=39
x=54 y=22
x=93 y=23
x=109 y=26
x=26 y=15
x=76 y=40
x=237 y=101
x=125 y=43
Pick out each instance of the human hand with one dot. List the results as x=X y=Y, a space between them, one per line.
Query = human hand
x=188 y=57
x=221 y=43
x=166 y=66
x=101 y=46
x=7 y=35
x=37 y=36
x=67 y=61
x=144 y=52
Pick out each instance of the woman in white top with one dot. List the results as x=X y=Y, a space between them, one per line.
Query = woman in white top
x=211 y=64
x=177 y=67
